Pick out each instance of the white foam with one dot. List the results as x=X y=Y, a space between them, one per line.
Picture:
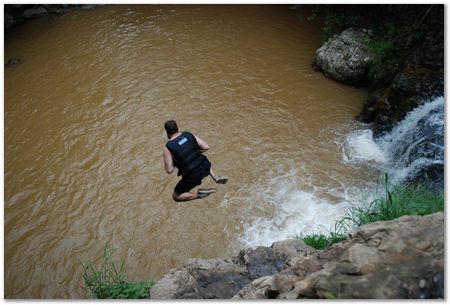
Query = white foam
x=360 y=147
x=408 y=147
x=296 y=213
x=301 y=208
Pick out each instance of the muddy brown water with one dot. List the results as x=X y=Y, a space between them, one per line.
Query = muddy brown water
x=83 y=130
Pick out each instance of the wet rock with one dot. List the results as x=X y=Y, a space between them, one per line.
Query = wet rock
x=402 y=258
x=61 y=11
x=372 y=106
x=12 y=61
x=35 y=12
x=10 y=21
x=89 y=6
x=345 y=57
x=419 y=80
x=19 y=13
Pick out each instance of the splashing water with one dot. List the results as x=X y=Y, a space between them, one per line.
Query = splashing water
x=416 y=143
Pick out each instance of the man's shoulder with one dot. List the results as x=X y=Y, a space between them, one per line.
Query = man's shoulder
x=187 y=132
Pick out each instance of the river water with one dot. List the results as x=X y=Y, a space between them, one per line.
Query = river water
x=84 y=115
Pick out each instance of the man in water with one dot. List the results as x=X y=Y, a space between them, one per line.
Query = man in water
x=184 y=150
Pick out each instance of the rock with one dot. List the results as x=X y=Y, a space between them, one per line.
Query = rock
x=264 y=261
x=88 y=6
x=10 y=21
x=202 y=279
x=12 y=61
x=206 y=279
x=34 y=12
x=260 y=262
x=345 y=58
x=19 y=13
x=420 y=79
x=258 y=289
x=402 y=258
x=288 y=250
x=61 y=11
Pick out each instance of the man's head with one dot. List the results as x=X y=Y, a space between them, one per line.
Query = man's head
x=171 y=127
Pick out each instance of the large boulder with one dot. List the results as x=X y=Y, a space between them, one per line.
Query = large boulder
x=402 y=258
x=202 y=279
x=345 y=57
x=221 y=279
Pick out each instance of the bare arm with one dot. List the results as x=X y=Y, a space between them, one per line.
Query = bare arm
x=203 y=145
x=168 y=161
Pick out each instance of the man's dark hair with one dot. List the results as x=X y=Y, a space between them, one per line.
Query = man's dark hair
x=171 y=127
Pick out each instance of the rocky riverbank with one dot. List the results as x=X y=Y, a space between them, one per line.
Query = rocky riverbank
x=402 y=258
x=16 y=14
x=410 y=80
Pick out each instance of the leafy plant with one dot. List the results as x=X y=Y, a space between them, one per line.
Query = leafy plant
x=109 y=282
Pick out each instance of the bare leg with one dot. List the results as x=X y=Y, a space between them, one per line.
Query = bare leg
x=217 y=178
x=184 y=196
x=211 y=173
x=187 y=196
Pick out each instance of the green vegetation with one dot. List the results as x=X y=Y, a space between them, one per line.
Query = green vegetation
x=321 y=241
x=394 y=30
x=393 y=202
x=108 y=282
x=400 y=201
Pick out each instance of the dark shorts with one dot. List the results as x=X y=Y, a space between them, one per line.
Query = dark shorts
x=193 y=178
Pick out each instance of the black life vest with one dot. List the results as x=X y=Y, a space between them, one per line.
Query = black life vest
x=186 y=152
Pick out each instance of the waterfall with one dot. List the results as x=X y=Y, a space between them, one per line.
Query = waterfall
x=413 y=148
x=416 y=144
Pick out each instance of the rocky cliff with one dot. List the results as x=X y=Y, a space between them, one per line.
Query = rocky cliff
x=402 y=258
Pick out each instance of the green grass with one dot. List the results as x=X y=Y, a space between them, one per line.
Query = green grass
x=393 y=202
x=321 y=241
x=108 y=282
x=400 y=201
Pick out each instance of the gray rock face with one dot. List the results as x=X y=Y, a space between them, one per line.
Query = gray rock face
x=222 y=279
x=403 y=258
x=345 y=58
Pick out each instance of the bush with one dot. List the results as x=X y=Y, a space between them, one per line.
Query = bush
x=108 y=282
